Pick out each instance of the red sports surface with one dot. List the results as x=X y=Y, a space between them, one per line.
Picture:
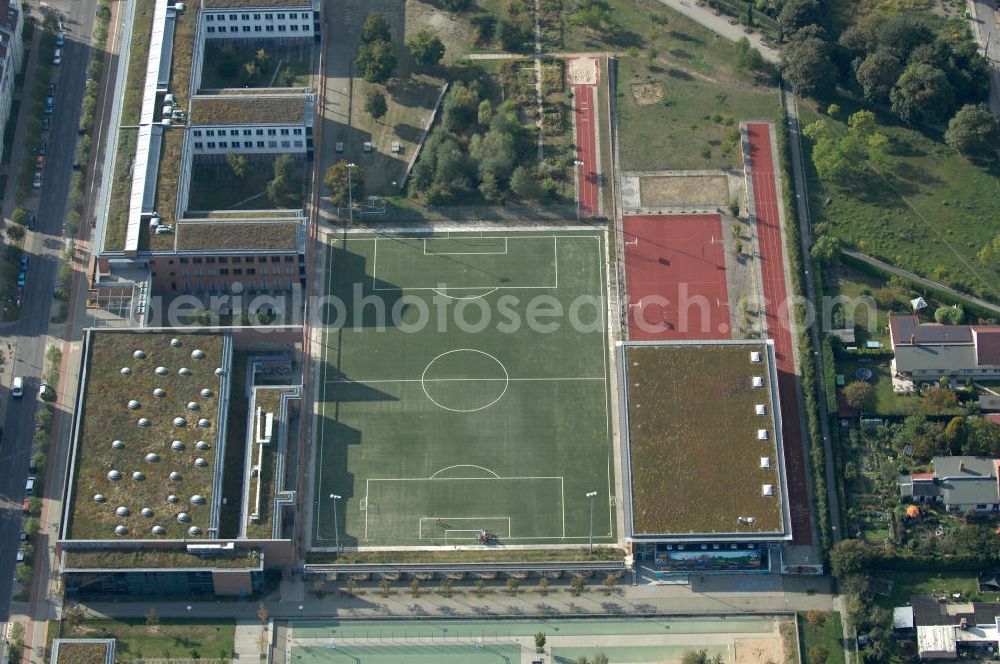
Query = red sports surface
x=675 y=269
x=586 y=149
x=777 y=312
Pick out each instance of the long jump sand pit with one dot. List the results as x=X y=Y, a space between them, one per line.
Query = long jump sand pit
x=693 y=190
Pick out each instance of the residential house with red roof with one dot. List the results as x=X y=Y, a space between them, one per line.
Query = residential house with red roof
x=928 y=351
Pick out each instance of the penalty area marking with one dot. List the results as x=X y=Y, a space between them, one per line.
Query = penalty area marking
x=446 y=521
x=466 y=253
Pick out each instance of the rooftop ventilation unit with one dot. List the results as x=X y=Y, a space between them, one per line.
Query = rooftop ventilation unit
x=146 y=512
x=125 y=371
x=162 y=371
x=767 y=490
x=139 y=355
x=117 y=444
x=761 y=434
x=121 y=530
x=159 y=392
x=755 y=356
x=758 y=381
x=175 y=342
x=760 y=409
x=198 y=354
x=765 y=462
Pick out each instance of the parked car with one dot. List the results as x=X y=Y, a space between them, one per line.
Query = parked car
x=36 y=182
x=17 y=387
x=32 y=467
x=29 y=486
x=20 y=556
x=22 y=279
x=57 y=57
x=39 y=161
x=44 y=147
x=60 y=39
x=24 y=263
x=26 y=506
x=43 y=387
x=31 y=221
x=45 y=123
x=22 y=536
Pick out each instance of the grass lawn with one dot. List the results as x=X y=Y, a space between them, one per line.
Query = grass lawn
x=925 y=209
x=433 y=432
x=169 y=639
x=673 y=116
x=907 y=584
x=214 y=186
x=287 y=64
x=142 y=26
x=887 y=402
x=828 y=634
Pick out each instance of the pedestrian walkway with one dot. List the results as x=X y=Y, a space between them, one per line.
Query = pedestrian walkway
x=719 y=24
x=246 y=642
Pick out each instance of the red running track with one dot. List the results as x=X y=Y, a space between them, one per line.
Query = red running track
x=777 y=311
x=586 y=149
x=675 y=268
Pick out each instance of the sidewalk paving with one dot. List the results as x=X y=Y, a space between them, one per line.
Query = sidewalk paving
x=720 y=25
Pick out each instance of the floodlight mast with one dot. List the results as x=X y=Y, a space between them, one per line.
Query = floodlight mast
x=591 y=495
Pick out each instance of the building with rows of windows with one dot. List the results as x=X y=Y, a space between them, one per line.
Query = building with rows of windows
x=156 y=236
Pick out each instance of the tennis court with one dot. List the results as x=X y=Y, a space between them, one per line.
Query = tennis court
x=464 y=389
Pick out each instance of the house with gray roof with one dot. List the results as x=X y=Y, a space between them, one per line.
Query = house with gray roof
x=960 y=483
x=928 y=351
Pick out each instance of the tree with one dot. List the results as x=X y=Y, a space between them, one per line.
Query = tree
x=376 y=28
x=939 y=399
x=876 y=75
x=578 y=584
x=838 y=159
x=749 y=58
x=512 y=34
x=816 y=618
x=796 y=14
x=31 y=526
x=456 y=5
x=152 y=618
x=543 y=585
x=344 y=187
x=849 y=557
x=485 y=113
x=524 y=184
x=922 y=94
x=807 y=65
x=594 y=15
x=949 y=315
x=446 y=586
x=460 y=109
x=415 y=586
x=351 y=587
x=859 y=395
x=426 y=48
x=990 y=252
x=818 y=654
x=600 y=658
x=15 y=232
x=982 y=438
x=540 y=641
x=384 y=585
x=238 y=164
x=375 y=105
x=494 y=152
x=512 y=585
x=375 y=61
x=20 y=216
x=826 y=249
x=973 y=131
x=262 y=613
x=862 y=124
x=699 y=657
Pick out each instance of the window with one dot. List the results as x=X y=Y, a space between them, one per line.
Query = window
x=237 y=260
x=247 y=132
x=210 y=132
x=245 y=17
x=232 y=17
x=281 y=17
x=197 y=145
x=256 y=17
x=294 y=28
x=264 y=271
x=211 y=145
x=196 y=260
x=271 y=132
x=262 y=259
x=197 y=132
x=297 y=131
x=298 y=144
x=234 y=132
x=211 y=28
x=223 y=144
x=275 y=259
x=268 y=16
x=260 y=144
x=248 y=144
x=209 y=18
x=211 y=272
x=251 y=271
x=281 y=28
x=223 y=272
x=184 y=261
x=272 y=144
x=237 y=271
x=223 y=259
x=246 y=28
x=269 y=28
x=210 y=259
x=284 y=132
x=289 y=259
x=234 y=28
x=256 y=28
x=260 y=132
x=293 y=15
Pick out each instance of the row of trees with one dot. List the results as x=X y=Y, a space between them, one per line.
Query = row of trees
x=922 y=438
x=376 y=57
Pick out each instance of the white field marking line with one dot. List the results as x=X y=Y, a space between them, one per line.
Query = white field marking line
x=450 y=479
x=602 y=289
x=506 y=381
x=367 y=494
x=555 y=258
x=562 y=492
x=446 y=380
x=464 y=465
x=467 y=297
x=466 y=253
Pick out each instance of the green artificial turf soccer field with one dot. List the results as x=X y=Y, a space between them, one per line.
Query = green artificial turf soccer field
x=432 y=430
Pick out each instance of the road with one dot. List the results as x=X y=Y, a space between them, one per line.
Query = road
x=29 y=335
